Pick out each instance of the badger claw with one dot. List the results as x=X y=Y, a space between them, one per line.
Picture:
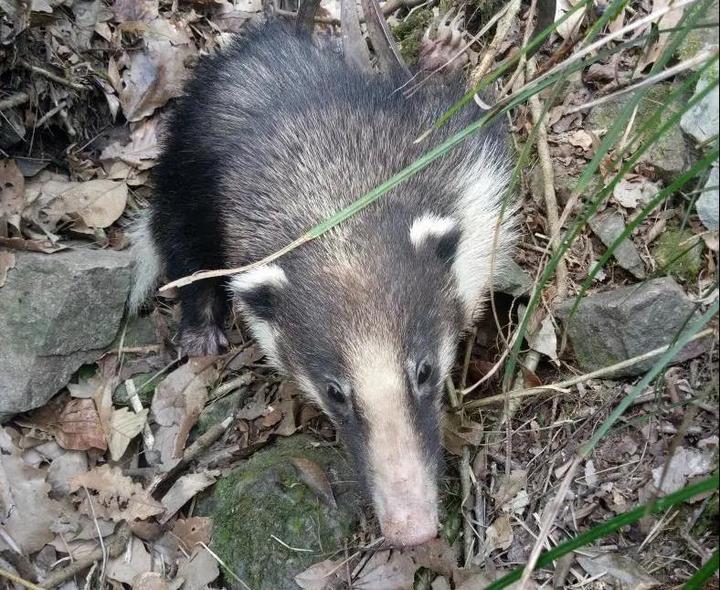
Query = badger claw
x=438 y=52
x=207 y=340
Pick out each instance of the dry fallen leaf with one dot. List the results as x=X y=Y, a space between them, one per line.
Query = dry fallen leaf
x=387 y=570
x=499 y=534
x=132 y=562
x=312 y=475
x=183 y=490
x=98 y=203
x=511 y=495
x=78 y=427
x=633 y=193
x=176 y=405
x=685 y=464
x=569 y=28
x=623 y=569
x=544 y=340
x=155 y=74
x=32 y=245
x=198 y=570
x=125 y=425
x=7 y=261
x=149 y=581
x=191 y=531
x=319 y=576
x=114 y=495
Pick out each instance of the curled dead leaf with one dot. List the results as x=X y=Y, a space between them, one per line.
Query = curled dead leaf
x=114 y=496
x=312 y=475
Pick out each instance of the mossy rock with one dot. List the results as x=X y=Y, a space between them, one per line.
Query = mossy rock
x=679 y=253
x=263 y=513
x=409 y=34
x=670 y=156
x=701 y=38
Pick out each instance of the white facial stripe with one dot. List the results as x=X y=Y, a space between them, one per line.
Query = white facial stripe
x=269 y=274
x=430 y=225
x=265 y=335
x=399 y=473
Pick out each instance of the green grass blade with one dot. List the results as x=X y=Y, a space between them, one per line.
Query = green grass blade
x=663 y=195
x=704 y=573
x=689 y=21
x=611 y=526
x=590 y=209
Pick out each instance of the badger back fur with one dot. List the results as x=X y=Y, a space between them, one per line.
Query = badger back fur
x=275 y=135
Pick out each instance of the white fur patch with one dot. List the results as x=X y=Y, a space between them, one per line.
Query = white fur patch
x=480 y=252
x=147 y=266
x=265 y=335
x=268 y=274
x=402 y=482
x=430 y=225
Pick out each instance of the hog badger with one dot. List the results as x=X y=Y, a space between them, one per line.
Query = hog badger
x=273 y=136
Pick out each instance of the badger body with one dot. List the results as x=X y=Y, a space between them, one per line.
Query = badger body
x=274 y=135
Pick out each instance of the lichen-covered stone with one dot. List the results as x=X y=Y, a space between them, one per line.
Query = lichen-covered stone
x=629 y=321
x=670 y=155
x=57 y=313
x=609 y=226
x=263 y=513
x=702 y=121
x=679 y=253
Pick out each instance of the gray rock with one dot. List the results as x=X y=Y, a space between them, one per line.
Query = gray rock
x=669 y=156
x=608 y=226
x=707 y=203
x=702 y=121
x=266 y=496
x=58 y=312
x=512 y=280
x=626 y=322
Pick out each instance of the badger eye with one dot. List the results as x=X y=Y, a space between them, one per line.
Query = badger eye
x=424 y=370
x=335 y=393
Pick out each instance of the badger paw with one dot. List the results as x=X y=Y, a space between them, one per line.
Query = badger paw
x=207 y=340
x=442 y=51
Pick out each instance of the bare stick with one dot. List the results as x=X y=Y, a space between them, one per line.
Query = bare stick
x=551 y=511
x=501 y=32
x=51 y=76
x=664 y=75
x=551 y=206
x=562 y=385
x=116 y=545
x=18 y=580
x=14 y=100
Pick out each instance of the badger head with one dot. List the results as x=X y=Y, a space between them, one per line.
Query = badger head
x=367 y=323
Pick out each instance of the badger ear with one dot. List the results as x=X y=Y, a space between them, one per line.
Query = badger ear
x=258 y=290
x=441 y=234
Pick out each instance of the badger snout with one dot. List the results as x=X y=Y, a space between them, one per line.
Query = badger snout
x=410 y=525
x=407 y=507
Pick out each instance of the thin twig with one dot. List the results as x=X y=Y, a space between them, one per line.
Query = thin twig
x=650 y=80
x=51 y=76
x=502 y=30
x=14 y=100
x=18 y=580
x=115 y=546
x=560 y=386
x=201 y=444
x=551 y=206
x=549 y=514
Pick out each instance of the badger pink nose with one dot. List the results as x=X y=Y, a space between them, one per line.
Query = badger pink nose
x=405 y=528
